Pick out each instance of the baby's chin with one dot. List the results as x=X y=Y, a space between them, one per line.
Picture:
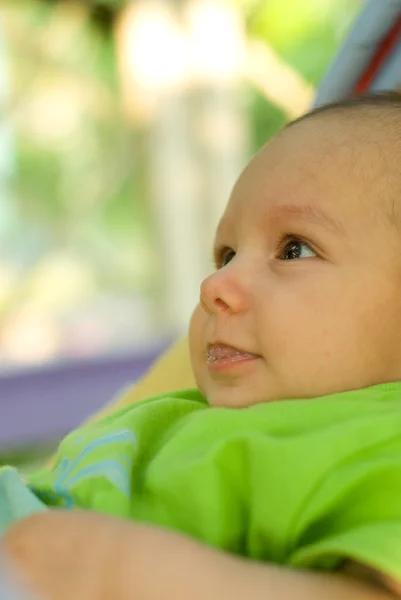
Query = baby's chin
x=240 y=396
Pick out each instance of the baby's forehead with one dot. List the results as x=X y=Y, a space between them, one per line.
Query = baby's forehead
x=338 y=140
x=328 y=160
x=368 y=140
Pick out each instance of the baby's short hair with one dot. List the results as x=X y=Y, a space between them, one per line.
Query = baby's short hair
x=388 y=102
x=367 y=111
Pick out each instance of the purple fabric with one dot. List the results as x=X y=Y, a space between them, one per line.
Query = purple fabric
x=46 y=403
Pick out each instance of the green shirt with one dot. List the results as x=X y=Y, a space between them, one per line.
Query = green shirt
x=305 y=483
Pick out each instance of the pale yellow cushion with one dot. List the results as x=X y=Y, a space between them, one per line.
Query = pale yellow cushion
x=172 y=371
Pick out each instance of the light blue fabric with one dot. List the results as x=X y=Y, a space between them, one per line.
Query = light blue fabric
x=389 y=77
x=374 y=22
x=16 y=500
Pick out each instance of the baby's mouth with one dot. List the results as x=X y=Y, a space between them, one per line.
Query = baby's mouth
x=224 y=355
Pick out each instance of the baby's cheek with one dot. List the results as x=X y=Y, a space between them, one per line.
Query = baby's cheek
x=197 y=340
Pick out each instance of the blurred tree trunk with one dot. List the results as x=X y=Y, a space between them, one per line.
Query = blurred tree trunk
x=197 y=138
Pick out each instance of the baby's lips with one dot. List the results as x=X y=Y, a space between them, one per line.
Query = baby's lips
x=219 y=351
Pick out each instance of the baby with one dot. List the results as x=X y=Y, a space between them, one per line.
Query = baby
x=304 y=308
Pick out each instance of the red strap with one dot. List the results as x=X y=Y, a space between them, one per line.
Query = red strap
x=383 y=51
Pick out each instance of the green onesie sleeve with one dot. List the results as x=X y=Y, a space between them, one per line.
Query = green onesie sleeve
x=300 y=483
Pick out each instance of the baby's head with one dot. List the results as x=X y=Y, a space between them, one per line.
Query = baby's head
x=306 y=297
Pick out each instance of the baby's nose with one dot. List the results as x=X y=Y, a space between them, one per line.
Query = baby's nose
x=222 y=292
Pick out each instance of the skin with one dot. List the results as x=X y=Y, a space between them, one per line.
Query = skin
x=331 y=320
x=87 y=556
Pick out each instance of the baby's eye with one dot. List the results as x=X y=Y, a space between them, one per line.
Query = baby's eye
x=226 y=256
x=295 y=249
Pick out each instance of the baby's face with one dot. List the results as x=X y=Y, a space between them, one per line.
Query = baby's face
x=306 y=298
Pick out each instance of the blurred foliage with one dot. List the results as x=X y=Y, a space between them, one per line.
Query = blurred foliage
x=266 y=118
x=76 y=184
x=305 y=34
x=28 y=458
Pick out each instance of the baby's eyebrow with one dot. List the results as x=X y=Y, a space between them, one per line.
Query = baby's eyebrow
x=306 y=212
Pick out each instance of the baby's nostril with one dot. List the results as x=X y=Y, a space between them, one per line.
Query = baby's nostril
x=220 y=303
